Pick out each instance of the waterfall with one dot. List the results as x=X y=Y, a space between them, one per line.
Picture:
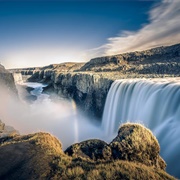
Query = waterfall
x=154 y=103
x=18 y=78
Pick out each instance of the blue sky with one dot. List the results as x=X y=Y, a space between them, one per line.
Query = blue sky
x=38 y=33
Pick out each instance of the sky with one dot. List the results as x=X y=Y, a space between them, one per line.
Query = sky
x=39 y=33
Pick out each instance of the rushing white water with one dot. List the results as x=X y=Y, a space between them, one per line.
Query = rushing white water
x=154 y=103
x=37 y=91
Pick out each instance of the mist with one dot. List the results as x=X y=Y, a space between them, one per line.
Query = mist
x=61 y=117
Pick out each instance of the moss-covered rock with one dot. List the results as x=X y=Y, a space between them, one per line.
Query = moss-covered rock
x=91 y=149
x=136 y=143
x=40 y=156
x=28 y=157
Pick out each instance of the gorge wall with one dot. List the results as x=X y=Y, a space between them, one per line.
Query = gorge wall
x=88 y=90
x=88 y=83
x=7 y=80
x=8 y=91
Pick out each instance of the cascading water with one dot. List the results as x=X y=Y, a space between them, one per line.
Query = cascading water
x=154 y=103
x=37 y=91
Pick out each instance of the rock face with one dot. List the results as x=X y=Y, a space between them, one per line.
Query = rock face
x=88 y=90
x=7 y=81
x=40 y=156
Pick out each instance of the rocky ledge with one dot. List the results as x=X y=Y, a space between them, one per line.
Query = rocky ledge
x=7 y=81
x=133 y=154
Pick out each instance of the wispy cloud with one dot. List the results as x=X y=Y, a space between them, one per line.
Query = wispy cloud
x=163 y=29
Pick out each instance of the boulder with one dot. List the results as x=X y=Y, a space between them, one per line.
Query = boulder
x=29 y=157
x=90 y=150
x=136 y=143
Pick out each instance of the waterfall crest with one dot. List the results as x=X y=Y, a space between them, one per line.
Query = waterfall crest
x=154 y=103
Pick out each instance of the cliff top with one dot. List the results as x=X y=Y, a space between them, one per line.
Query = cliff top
x=67 y=66
x=138 y=64
x=167 y=54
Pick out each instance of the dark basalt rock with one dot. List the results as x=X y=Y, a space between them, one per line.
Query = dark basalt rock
x=91 y=149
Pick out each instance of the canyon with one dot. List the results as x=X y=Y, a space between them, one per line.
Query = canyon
x=88 y=83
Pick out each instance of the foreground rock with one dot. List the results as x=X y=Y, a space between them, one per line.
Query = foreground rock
x=133 y=143
x=28 y=157
x=40 y=156
x=136 y=143
x=134 y=147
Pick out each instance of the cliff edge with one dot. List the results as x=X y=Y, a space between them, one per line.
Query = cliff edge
x=7 y=81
